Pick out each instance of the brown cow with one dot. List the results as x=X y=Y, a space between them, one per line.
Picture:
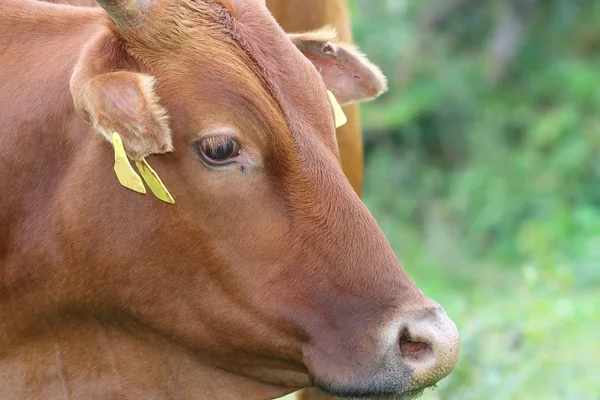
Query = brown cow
x=267 y=275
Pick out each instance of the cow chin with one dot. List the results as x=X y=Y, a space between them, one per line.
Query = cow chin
x=403 y=396
x=372 y=393
x=410 y=395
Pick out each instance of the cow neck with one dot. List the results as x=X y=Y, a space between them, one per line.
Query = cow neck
x=85 y=357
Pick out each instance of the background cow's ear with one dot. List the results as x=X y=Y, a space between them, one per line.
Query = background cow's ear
x=111 y=95
x=345 y=70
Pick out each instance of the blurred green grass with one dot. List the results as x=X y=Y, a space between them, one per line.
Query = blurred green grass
x=483 y=170
x=527 y=332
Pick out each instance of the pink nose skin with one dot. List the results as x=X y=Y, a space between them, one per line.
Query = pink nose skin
x=429 y=343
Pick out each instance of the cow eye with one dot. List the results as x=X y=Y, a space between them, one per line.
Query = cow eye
x=217 y=150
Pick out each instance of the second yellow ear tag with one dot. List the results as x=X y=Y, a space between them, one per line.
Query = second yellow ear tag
x=154 y=182
x=340 y=117
x=125 y=172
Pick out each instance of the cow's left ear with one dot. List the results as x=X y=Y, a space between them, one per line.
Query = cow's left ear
x=347 y=73
x=112 y=95
x=119 y=101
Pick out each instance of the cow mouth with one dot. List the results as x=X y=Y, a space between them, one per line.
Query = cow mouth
x=409 y=395
x=405 y=395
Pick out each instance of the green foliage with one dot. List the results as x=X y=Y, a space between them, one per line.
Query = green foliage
x=483 y=169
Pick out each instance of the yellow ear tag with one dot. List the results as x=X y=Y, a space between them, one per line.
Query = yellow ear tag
x=340 y=117
x=125 y=172
x=154 y=182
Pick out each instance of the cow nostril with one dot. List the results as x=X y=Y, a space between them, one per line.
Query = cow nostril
x=428 y=343
x=412 y=348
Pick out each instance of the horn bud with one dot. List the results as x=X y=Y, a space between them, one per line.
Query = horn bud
x=126 y=13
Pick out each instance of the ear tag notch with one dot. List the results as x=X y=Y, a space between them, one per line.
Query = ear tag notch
x=339 y=116
x=125 y=173
x=153 y=181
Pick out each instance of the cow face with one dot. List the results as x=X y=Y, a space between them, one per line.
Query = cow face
x=267 y=263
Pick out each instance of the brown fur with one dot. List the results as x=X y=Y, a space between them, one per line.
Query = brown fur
x=99 y=94
x=265 y=274
x=306 y=20
x=309 y=15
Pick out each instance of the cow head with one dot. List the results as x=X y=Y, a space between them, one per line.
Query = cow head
x=268 y=265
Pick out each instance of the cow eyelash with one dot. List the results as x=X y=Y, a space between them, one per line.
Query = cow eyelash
x=217 y=150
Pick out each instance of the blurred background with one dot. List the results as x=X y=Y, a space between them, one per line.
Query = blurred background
x=483 y=169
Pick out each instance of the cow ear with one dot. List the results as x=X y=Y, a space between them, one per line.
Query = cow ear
x=347 y=73
x=111 y=95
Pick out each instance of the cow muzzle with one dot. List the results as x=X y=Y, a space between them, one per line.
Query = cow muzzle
x=396 y=362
